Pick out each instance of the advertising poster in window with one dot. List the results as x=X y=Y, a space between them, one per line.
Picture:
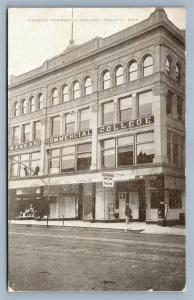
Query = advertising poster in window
x=96 y=149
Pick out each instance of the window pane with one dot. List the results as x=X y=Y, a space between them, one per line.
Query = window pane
x=119 y=76
x=179 y=108
x=37 y=130
x=24 y=167
x=16 y=109
x=175 y=146
x=108 y=109
x=55 y=152
x=108 y=159
x=76 y=90
x=88 y=86
x=125 y=109
x=85 y=119
x=26 y=132
x=35 y=156
x=145 y=153
x=40 y=101
x=133 y=71
x=70 y=123
x=126 y=140
x=169 y=146
x=54 y=165
x=65 y=94
x=175 y=200
x=68 y=163
x=83 y=162
x=55 y=126
x=177 y=73
x=148 y=66
x=145 y=103
x=32 y=104
x=55 y=98
x=68 y=150
x=169 y=104
x=109 y=143
x=145 y=137
x=14 y=166
x=15 y=135
x=24 y=107
x=106 y=80
x=125 y=156
x=84 y=147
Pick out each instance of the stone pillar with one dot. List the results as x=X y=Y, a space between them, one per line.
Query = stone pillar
x=134 y=106
x=94 y=127
x=160 y=134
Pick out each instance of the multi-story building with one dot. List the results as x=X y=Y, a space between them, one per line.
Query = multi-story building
x=102 y=125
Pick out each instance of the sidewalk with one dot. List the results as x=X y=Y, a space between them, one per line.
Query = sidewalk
x=140 y=227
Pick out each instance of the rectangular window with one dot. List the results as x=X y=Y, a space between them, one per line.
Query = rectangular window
x=84 y=153
x=145 y=103
x=26 y=132
x=69 y=122
x=145 y=147
x=14 y=166
x=37 y=130
x=35 y=163
x=175 y=148
x=15 y=135
x=125 y=109
x=180 y=108
x=25 y=165
x=175 y=200
x=169 y=104
x=68 y=159
x=169 y=146
x=125 y=150
x=54 y=161
x=108 y=153
x=55 y=126
x=84 y=119
x=107 y=112
x=182 y=151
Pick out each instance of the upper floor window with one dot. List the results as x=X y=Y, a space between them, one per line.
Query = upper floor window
x=15 y=135
x=125 y=109
x=107 y=112
x=84 y=119
x=26 y=132
x=108 y=153
x=32 y=104
x=145 y=103
x=169 y=103
x=168 y=66
x=76 y=90
x=54 y=161
x=55 y=97
x=24 y=107
x=65 y=93
x=69 y=122
x=145 y=147
x=133 y=71
x=16 y=110
x=55 y=126
x=40 y=101
x=179 y=108
x=14 y=166
x=125 y=147
x=148 y=66
x=88 y=86
x=106 y=80
x=178 y=73
x=37 y=130
x=84 y=153
x=68 y=159
x=119 y=76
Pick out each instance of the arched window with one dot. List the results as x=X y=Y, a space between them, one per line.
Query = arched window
x=168 y=66
x=148 y=66
x=65 y=93
x=55 y=98
x=88 y=86
x=106 y=80
x=178 y=73
x=32 y=104
x=40 y=101
x=16 y=110
x=119 y=76
x=133 y=71
x=76 y=90
x=24 y=106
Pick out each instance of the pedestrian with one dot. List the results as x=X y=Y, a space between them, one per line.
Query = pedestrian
x=128 y=213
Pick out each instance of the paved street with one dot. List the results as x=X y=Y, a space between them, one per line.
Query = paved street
x=83 y=259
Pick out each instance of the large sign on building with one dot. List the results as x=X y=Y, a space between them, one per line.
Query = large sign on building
x=126 y=125
x=25 y=145
x=68 y=137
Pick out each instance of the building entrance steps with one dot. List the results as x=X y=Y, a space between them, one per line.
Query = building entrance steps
x=140 y=227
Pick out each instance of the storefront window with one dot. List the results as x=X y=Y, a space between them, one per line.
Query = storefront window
x=84 y=119
x=14 y=166
x=175 y=147
x=26 y=132
x=107 y=112
x=35 y=163
x=54 y=161
x=145 y=147
x=108 y=153
x=68 y=159
x=145 y=103
x=25 y=165
x=69 y=122
x=55 y=126
x=15 y=135
x=125 y=109
x=37 y=130
x=125 y=151
x=84 y=156
x=175 y=200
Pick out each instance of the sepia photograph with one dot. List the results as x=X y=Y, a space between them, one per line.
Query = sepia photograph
x=96 y=149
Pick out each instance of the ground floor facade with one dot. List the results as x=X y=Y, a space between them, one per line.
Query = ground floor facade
x=150 y=198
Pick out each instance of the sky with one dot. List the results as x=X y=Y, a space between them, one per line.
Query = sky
x=38 y=34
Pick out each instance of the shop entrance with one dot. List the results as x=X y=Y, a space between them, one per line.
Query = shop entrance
x=142 y=206
x=64 y=207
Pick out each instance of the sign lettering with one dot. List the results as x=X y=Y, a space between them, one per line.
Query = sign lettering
x=68 y=137
x=25 y=145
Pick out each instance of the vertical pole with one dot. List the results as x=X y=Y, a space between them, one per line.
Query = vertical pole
x=47 y=221
x=63 y=220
